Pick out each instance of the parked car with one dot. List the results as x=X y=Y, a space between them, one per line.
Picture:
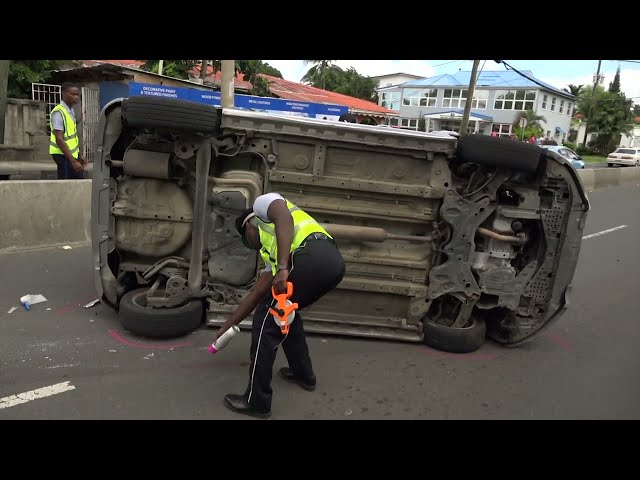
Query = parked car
x=624 y=156
x=567 y=153
x=447 y=241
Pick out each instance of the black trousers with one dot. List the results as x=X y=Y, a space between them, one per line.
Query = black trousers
x=316 y=268
x=65 y=170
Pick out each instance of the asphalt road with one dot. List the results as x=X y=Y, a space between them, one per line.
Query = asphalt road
x=585 y=367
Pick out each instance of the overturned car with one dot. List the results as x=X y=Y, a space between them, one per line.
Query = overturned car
x=447 y=240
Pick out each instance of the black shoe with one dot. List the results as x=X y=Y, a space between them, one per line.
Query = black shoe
x=239 y=404
x=287 y=374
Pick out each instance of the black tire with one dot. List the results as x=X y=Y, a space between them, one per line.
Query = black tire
x=158 y=322
x=455 y=340
x=170 y=114
x=609 y=165
x=499 y=152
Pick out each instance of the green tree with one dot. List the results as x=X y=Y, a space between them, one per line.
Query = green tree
x=347 y=82
x=614 y=86
x=317 y=73
x=358 y=86
x=22 y=73
x=533 y=124
x=636 y=110
x=172 y=68
x=586 y=95
x=611 y=116
x=574 y=89
x=252 y=71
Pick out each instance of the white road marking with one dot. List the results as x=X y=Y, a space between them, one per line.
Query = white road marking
x=604 y=232
x=43 y=392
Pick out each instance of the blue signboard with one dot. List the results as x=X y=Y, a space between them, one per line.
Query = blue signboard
x=308 y=109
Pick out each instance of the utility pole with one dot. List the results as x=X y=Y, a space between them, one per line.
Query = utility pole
x=160 y=66
x=4 y=80
x=467 y=106
x=593 y=94
x=204 y=67
x=227 y=87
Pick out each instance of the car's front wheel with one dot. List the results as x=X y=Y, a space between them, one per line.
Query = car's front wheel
x=453 y=339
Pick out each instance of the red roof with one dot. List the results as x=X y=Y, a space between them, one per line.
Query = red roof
x=300 y=92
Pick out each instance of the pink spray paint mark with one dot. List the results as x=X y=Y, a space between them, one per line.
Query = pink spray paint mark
x=561 y=341
x=459 y=356
x=129 y=343
x=74 y=305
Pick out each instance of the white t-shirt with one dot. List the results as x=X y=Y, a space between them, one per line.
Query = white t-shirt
x=261 y=205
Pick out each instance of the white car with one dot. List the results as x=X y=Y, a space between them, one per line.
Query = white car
x=624 y=156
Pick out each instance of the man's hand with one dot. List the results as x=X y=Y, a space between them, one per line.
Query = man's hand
x=82 y=160
x=280 y=281
x=77 y=166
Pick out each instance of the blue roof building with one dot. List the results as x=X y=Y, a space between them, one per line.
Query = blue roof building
x=497 y=99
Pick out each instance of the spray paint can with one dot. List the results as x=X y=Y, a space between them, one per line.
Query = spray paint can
x=223 y=340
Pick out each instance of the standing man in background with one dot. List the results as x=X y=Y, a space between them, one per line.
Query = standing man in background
x=64 y=145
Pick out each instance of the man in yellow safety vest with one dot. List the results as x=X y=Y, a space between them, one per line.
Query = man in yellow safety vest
x=64 y=144
x=296 y=249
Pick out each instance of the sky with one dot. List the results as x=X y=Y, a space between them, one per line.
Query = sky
x=558 y=73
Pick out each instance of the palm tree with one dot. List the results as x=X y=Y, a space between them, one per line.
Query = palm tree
x=533 y=119
x=318 y=73
x=574 y=89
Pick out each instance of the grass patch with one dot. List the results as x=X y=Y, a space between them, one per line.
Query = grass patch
x=594 y=159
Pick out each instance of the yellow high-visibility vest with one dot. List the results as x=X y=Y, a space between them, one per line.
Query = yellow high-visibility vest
x=70 y=133
x=303 y=226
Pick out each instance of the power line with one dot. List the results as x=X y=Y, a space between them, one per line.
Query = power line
x=447 y=63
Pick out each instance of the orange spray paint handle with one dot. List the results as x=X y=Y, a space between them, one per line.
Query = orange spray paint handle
x=283 y=307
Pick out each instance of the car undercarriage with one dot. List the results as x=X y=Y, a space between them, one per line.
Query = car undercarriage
x=447 y=241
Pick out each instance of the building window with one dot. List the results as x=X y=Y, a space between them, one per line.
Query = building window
x=514 y=100
x=480 y=99
x=569 y=105
x=393 y=122
x=561 y=109
x=454 y=98
x=544 y=102
x=553 y=104
x=503 y=129
x=390 y=100
x=419 y=97
x=409 y=123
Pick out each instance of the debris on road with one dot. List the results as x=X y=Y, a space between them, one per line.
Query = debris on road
x=91 y=304
x=66 y=247
x=12 y=309
x=30 y=299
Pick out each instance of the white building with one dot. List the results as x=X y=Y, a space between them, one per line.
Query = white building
x=497 y=99
x=394 y=79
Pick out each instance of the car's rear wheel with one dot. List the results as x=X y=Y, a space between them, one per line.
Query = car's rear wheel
x=140 y=319
x=170 y=114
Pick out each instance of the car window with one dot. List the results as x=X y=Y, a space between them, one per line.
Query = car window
x=565 y=153
x=626 y=150
x=571 y=154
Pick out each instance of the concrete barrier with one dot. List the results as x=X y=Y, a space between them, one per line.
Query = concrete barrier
x=38 y=213
x=596 y=178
